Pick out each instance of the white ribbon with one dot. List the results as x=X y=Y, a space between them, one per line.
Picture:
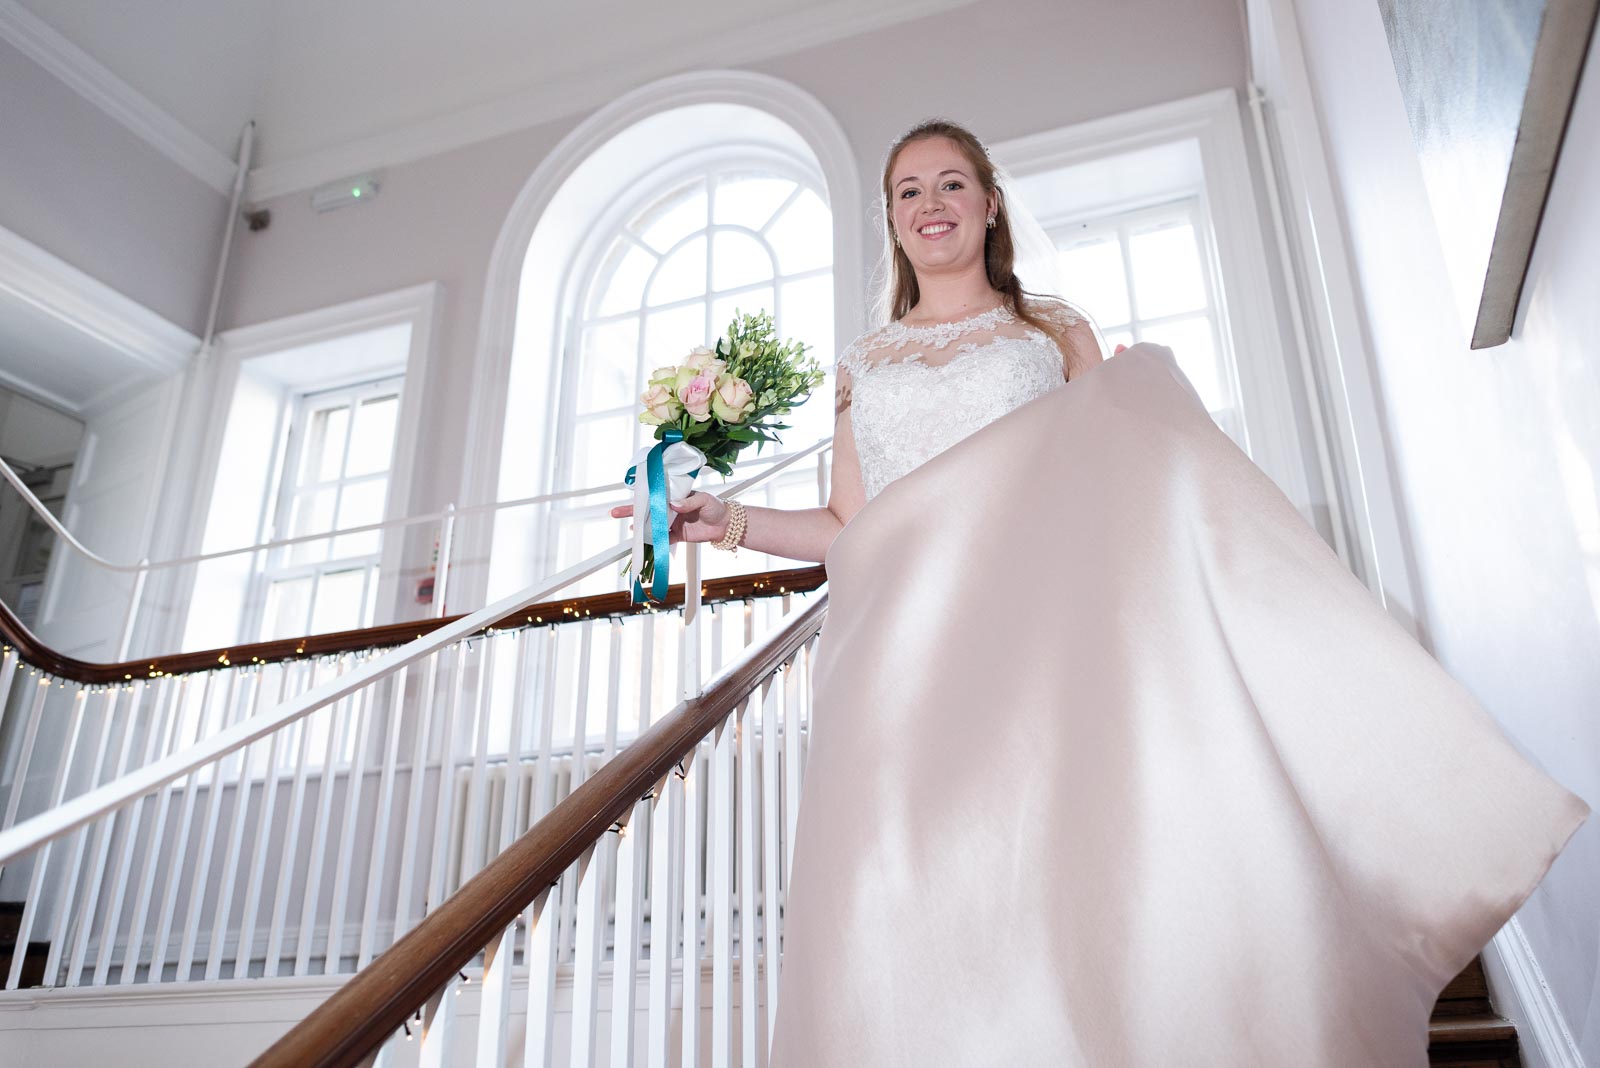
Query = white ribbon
x=678 y=461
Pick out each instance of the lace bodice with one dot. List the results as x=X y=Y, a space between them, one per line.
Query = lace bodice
x=911 y=396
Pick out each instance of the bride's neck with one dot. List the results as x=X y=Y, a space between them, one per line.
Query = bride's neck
x=942 y=299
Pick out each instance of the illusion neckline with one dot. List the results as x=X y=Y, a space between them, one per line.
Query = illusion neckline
x=998 y=313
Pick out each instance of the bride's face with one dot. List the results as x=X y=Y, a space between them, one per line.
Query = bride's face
x=939 y=208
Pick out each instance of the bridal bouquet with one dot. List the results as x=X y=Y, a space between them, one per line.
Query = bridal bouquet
x=706 y=409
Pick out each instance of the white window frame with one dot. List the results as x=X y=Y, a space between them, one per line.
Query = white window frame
x=1248 y=313
x=567 y=370
x=248 y=352
x=1121 y=224
x=276 y=565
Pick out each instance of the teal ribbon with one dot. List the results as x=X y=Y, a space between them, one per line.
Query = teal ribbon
x=660 y=519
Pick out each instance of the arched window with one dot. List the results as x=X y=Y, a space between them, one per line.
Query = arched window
x=643 y=244
x=729 y=235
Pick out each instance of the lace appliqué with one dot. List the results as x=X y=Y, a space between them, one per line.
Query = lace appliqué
x=906 y=408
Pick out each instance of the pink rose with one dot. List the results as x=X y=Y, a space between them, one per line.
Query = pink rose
x=696 y=396
x=733 y=399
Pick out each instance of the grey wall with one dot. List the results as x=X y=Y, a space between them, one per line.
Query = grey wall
x=1497 y=452
x=80 y=185
x=1005 y=67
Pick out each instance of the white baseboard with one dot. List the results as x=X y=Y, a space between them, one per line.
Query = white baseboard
x=1523 y=995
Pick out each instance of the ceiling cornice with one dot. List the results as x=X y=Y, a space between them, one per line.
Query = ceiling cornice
x=539 y=104
x=96 y=84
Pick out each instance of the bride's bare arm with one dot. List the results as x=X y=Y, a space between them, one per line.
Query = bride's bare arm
x=795 y=533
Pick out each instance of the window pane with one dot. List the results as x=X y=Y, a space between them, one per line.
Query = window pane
x=673 y=217
x=362 y=503
x=748 y=302
x=1092 y=277
x=669 y=335
x=1119 y=337
x=808 y=316
x=682 y=275
x=624 y=289
x=372 y=442
x=339 y=599
x=748 y=200
x=1166 y=270
x=324 y=445
x=604 y=448
x=1191 y=342
x=287 y=602
x=737 y=259
x=313 y=514
x=608 y=375
x=803 y=235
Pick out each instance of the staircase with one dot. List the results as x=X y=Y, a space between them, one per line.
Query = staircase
x=1465 y=1032
x=566 y=892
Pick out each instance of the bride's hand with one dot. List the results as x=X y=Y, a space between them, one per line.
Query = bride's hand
x=698 y=517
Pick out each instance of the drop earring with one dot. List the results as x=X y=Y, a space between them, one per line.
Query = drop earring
x=990 y=223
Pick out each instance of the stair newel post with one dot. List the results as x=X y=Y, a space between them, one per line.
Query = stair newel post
x=692 y=674
x=441 y=574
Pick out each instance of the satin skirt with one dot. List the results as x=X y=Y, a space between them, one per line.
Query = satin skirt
x=1113 y=763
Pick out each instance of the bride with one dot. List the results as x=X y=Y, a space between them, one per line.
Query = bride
x=1112 y=763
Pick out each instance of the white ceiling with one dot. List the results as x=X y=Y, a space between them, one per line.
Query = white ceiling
x=317 y=75
x=53 y=361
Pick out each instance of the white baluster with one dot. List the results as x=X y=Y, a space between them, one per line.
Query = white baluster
x=348 y=841
x=749 y=822
x=769 y=845
x=586 y=951
x=417 y=777
x=494 y=1014
x=473 y=845
x=243 y=778
x=32 y=903
x=625 y=941
x=270 y=787
x=282 y=884
x=180 y=843
x=68 y=894
x=381 y=829
x=170 y=730
x=30 y=737
x=327 y=783
x=438 y=1025
x=494 y=1004
x=791 y=765
x=540 y=952
x=208 y=836
x=666 y=834
x=444 y=801
x=136 y=704
x=719 y=879
x=691 y=909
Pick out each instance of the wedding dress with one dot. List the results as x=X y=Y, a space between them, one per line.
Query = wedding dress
x=1112 y=762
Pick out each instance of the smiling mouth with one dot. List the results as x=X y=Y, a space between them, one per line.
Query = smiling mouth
x=938 y=229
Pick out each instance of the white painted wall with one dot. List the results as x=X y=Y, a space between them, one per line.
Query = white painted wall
x=1006 y=67
x=111 y=508
x=79 y=184
x=1496 y=453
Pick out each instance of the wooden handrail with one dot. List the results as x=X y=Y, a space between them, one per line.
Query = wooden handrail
x=370 y=1008
x=37 y=654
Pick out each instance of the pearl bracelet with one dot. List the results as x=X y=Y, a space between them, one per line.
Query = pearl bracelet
x=735 y=532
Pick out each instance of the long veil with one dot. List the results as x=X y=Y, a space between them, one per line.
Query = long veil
x=1038 y=265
